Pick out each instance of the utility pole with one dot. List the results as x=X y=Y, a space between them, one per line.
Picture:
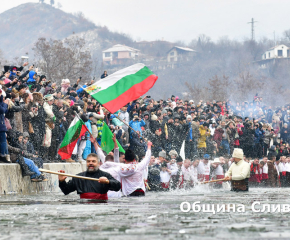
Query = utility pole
x=253 y=29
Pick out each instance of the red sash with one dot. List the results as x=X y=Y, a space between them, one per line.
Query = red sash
x=254 y=178
x=165 y=185
x=284 y=173
x=139 y=190
x=92 y=195
x=265 y=176
x=200 y=177
x=206 y=177
x=219 y=177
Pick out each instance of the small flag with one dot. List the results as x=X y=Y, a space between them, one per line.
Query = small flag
x=76 y=129
x=107 y=143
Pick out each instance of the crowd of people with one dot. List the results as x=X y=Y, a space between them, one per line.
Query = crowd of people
x=35 y=114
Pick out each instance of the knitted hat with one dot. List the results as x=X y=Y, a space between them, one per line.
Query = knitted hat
x=162 y=154
x=163 y=111
x=25 y=134
x=238 y=153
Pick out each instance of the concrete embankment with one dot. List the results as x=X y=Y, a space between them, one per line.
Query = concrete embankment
x=12 y=182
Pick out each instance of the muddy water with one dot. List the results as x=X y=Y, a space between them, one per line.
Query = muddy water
x=157 y=216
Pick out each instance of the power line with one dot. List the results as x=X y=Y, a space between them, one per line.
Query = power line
x=253 y=28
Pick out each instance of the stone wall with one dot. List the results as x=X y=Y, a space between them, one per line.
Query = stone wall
x=12 y=182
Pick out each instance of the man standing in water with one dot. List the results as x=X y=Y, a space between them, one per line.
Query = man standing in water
x=89 y=189
x=239 y=172
x=131 y=172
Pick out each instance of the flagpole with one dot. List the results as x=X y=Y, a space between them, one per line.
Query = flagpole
x=128 y=126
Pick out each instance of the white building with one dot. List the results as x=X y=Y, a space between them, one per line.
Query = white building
x=180 y=54
x=119 y=53
x=280 y=51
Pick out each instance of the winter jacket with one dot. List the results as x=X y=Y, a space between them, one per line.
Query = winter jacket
x=3 y=111
x=218 y=135
x=203 y=133
x=31 y=80
x=136 y=125
x=272 y=152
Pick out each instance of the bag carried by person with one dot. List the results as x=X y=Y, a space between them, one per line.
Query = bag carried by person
x=7 y=123
x=30 y=128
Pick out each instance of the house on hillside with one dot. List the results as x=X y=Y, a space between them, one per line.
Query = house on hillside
x=280 y=51
x=278 y=54
x=119 y=54
x=177 y=54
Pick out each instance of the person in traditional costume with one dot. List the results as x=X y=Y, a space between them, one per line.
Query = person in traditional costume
x=89 y=189
x=255 y=173
x=131 y=173
x=217 y=172
x=239 y=172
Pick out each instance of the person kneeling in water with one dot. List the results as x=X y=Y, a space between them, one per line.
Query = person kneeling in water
x=89 y=189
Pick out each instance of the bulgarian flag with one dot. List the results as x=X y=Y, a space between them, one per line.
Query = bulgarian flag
x=76 y=129
x=122 y=87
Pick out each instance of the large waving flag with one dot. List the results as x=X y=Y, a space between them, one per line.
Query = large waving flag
x=123 y=86
x=76 y=129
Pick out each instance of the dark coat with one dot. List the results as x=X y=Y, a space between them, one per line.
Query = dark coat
x=272 y=152
x=3 y=110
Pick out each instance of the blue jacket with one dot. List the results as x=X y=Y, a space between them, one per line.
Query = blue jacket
x=31 y=80
x=3 y=110
x=87 y=149
x=79 y=91
x=259 y=135
x=189 y=133
x=136 y=125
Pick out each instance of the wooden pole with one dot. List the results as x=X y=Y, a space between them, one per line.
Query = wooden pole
x=68 y=175
x=218 y=180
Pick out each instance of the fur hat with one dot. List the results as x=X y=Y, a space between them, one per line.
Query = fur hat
x=129 y=155
x=173 y=152
x=238 y=153
x=48 y=97
x=37 y=96
x=153 y=117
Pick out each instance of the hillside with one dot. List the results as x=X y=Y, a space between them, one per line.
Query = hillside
x=21 y=27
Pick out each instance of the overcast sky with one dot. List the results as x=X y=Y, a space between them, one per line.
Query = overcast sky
x=182 y=20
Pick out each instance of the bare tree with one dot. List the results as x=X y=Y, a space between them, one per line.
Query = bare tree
x=63 y=59
x=218 y=87
x=51 y=2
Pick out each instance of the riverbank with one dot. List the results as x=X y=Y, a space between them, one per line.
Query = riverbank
x=12 y=182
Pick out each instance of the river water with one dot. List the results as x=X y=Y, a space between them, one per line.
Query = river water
x=156 y=216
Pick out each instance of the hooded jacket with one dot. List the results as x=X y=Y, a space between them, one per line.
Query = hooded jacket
x=31 y=80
